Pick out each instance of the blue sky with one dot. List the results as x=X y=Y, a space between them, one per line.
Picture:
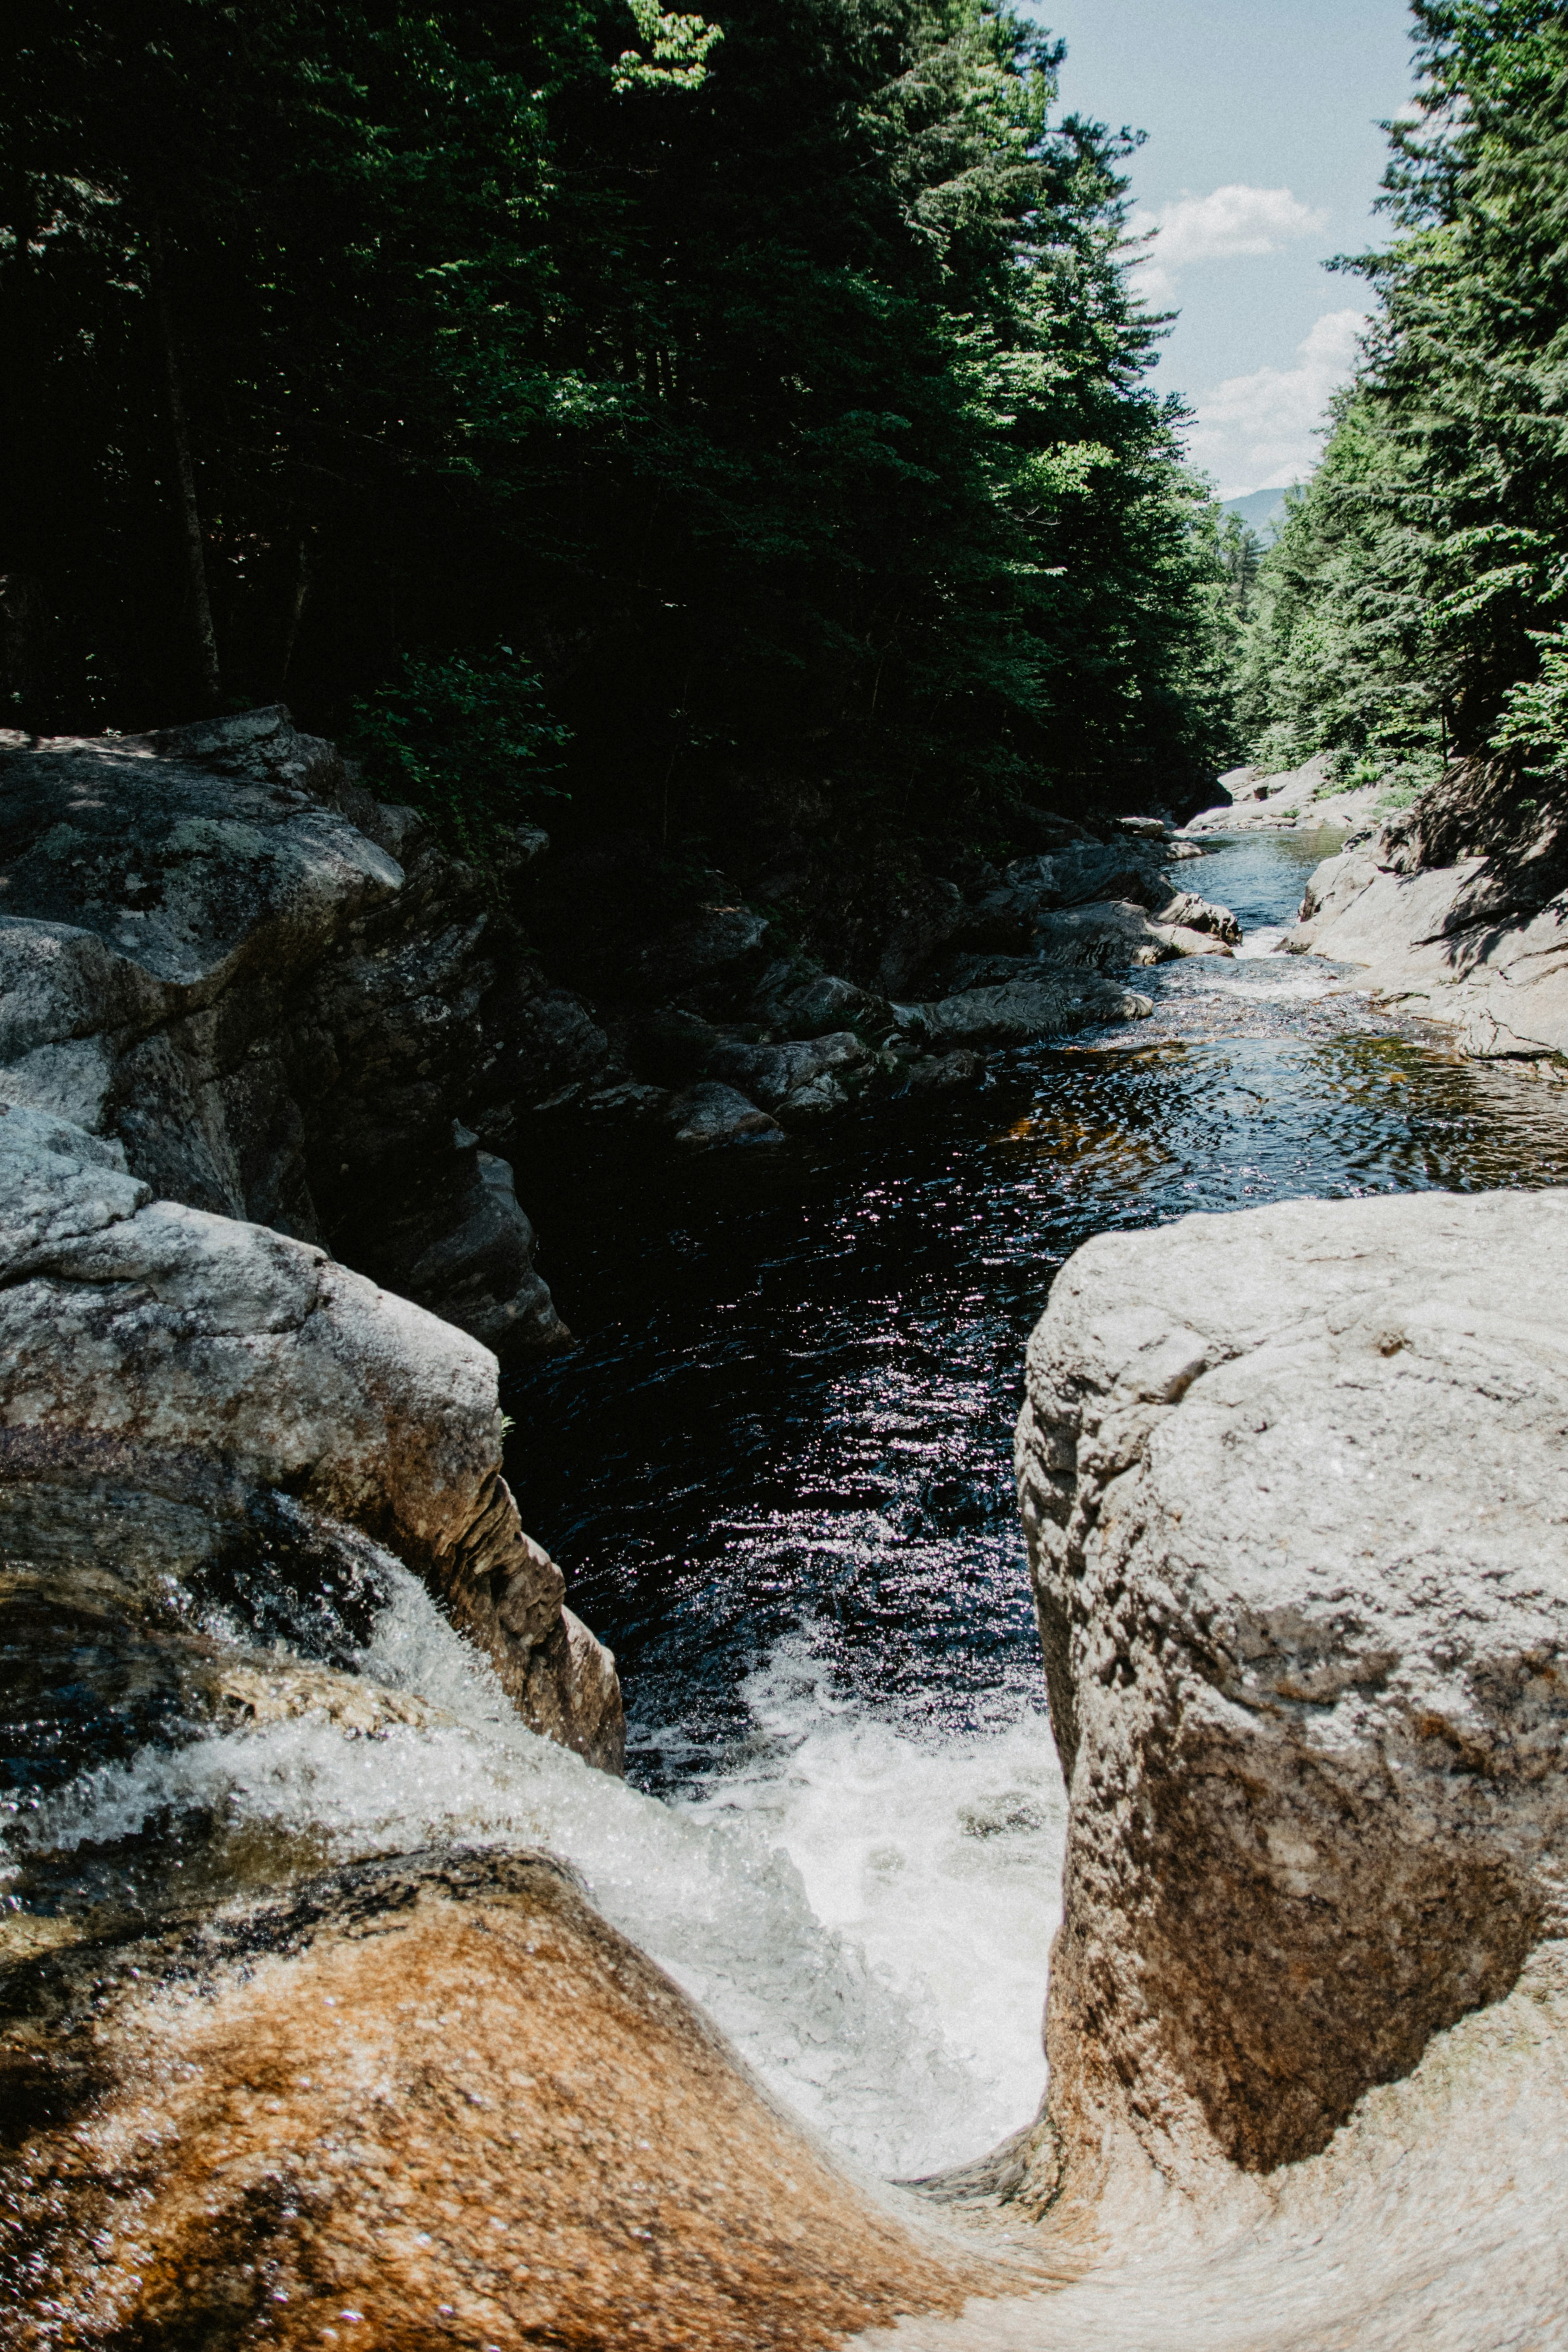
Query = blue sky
x=1263 y=157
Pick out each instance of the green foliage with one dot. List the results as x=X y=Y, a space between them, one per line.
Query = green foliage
x=466 y=740
x=1241 y=553
x=1405 y=609
x=681 y=46
x=780 y=395
x=1534 y=721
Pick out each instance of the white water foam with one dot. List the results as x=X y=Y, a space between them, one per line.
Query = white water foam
x=1289 y=979
x=937 y=1855
x=866 y=1915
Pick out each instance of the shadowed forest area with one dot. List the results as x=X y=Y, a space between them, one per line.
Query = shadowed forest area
x=669 y=413
x=696 y=426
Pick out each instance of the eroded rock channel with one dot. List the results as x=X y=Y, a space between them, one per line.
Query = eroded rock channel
x=353 y=1996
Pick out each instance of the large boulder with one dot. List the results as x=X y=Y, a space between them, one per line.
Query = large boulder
x=1295 y=1488
x=433 y=2100
x=218 y=951
x=1187 y=911
x=179 y=1390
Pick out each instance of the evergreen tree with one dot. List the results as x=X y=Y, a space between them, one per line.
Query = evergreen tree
x=768 y=386
x=1403 y=609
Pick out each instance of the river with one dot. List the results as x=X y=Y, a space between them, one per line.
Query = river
x=776 y=1470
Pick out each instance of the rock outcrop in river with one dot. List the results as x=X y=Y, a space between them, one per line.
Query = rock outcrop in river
x=1295 y=1485
x=429 y=2101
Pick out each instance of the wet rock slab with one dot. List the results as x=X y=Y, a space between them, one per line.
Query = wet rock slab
x=176 y=1386
x=424 y=2102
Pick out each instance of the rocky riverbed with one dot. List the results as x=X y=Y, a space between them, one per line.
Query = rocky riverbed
x=312 y=2033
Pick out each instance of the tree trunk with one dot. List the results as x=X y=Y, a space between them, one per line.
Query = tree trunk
x=295 y=614
x=190 y=513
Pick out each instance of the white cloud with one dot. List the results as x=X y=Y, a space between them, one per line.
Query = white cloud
x=1258 y=431
x=1230 y=224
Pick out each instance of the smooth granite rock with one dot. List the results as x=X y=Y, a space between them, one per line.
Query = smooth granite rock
x=1295 y=1487
x=1301 y=800
x=1453 y=938
x=426 y=2101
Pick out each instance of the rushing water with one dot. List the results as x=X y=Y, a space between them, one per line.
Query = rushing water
x=778 y=1473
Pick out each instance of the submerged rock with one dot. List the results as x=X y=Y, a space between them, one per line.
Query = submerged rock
x=430 y=2100
x=714 y=1114
x=934 y=1073
x=1295 y=1487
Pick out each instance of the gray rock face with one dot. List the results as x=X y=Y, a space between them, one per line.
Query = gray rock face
x=1295 y=1487
x=707 y=960
x=771 y=1074
x=1187 y=911
x=930 y=916
x=1297 y=799
x=1022 y=1011
x=276 y=1006
x=812 y=1006
x=176 y=1387
x=1471 y=940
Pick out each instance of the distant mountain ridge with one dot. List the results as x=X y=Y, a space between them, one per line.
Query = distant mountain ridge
x=1261 y=510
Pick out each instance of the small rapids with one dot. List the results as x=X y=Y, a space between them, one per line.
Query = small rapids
x=778 y=1473
x=805 y=1938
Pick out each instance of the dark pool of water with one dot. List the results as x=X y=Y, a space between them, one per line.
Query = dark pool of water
x=799 y=1368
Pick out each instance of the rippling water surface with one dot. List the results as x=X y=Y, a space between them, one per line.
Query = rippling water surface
x=777 y=1470
x=789 y=1417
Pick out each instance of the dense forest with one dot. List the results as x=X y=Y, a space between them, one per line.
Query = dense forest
x=663 y=412
x=1414 y=607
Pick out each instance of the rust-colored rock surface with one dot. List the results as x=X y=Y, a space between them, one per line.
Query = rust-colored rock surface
x=431 y=2102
